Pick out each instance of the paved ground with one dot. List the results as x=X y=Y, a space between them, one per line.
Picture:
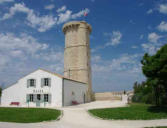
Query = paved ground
x=77 y=117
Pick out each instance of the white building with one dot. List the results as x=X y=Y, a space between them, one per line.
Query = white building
x=42 y=88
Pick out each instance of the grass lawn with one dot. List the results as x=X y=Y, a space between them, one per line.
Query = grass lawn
x=133 y=112
x=28 y=115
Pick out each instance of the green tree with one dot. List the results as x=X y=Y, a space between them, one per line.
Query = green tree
x=142 y=93
x=155 y=69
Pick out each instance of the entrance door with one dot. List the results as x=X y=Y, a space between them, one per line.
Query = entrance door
x=84 y=97
x=38 y=100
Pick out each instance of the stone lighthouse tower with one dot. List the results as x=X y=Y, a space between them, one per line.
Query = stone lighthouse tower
x=77 y=53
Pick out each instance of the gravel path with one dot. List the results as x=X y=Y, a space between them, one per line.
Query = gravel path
x=77 y=117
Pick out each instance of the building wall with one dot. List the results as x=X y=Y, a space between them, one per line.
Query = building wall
x=11 y=94
x=18 y=91
x=77 y=53
x=108 y=96
x=74 y=91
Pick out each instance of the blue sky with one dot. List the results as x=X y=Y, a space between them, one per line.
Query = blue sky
x=31 y=37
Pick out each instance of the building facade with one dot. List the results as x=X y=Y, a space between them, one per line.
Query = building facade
x=42 y=88
x=45 y=89
x=77 y=53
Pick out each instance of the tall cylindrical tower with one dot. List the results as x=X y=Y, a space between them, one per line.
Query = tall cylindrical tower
x=77 y=53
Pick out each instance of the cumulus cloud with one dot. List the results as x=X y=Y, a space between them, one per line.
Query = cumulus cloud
x=162 y=26
x=125 y=67
x=18 y=45
x=80 y=13
x=67 y=15
x=114 y=38
x=153 y=37
x=63 y=17
x=42 y=23
x=62 y=9
x=49 y=7
x=163 y=8
x=123 y=63
x=153 y=44
x=151 y=48
x=23 y=53
x=46 y=22
x=4 y=1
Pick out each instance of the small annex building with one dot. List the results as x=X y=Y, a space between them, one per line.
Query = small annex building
x=42 y=88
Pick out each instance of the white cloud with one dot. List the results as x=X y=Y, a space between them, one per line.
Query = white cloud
x=42 y=23
x=22 y=54
x=151 y=48
x=163 y=8
x=153 y=37
x=96 y=58
x=153 y=45
x=162 y=26
x=81 y=13
x=22 y=44
x=149 y=11
x=63 y=17
x=123 y=63
x=16 y=8
x=46 y=22
x=115 y=38
x=62 y=9
x=126 y=67
x=67 y=15
x=3 y=1
x=49 y=7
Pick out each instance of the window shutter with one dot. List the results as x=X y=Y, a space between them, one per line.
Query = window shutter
x=34 y=83
x=42 y=82
x=42 y=97
x=50 y=98
x=27 y=98
x=34 y=97
x=49 y=82
x=28 y=83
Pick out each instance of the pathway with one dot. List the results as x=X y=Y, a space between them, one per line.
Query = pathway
x=77 y=117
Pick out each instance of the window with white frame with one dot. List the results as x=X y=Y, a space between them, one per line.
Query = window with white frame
x=46 y=97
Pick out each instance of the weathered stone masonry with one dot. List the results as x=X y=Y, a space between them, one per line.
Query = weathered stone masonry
x=77 y=53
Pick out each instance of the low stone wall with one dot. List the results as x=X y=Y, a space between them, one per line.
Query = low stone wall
x=108 y=96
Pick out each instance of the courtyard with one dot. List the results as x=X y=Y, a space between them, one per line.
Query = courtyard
x=78 y=116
